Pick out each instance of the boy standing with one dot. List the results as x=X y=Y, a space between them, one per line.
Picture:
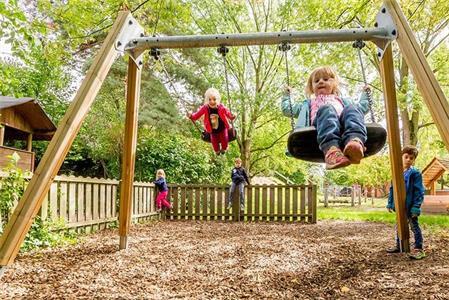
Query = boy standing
x=414 y=197
x=238 y=176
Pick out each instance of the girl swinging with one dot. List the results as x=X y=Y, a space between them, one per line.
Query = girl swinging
x=215 y=120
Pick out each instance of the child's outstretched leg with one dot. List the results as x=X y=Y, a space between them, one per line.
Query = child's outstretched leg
x=224 y=140
x=327 y=125
x=354 y=134
x=215 y=140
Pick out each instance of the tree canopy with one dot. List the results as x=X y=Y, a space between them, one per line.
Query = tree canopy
x=52 y=43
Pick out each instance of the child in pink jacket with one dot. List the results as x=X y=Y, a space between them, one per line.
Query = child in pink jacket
x=215 y=120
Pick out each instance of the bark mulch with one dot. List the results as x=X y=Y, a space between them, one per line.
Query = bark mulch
x=215 y=260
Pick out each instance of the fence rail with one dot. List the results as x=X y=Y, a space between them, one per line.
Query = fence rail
x=262 y=203
x=87 y=204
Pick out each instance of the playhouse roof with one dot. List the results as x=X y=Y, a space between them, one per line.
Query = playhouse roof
x=434 y=170
x=32 y=113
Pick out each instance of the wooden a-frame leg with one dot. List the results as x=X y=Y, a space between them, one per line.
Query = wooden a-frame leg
x=391 y=111
x=129 y=152
x=37 y=189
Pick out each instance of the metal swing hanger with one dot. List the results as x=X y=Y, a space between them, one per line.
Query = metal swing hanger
x=285 y=47
x=223 y=50
x=359 y=44
x=155 y=53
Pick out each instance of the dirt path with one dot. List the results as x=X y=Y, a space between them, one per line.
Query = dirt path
x=210 y=260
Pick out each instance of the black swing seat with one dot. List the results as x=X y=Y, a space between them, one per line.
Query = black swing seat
x=302 y=142
x=232 y=135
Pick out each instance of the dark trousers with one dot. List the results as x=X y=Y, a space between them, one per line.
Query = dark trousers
x=414 y=227
x=338 y=131
x=241 y=187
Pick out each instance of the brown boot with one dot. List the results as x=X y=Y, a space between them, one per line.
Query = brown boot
x=354 y=151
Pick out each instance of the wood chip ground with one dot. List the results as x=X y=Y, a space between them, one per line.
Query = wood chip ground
x=214 y=260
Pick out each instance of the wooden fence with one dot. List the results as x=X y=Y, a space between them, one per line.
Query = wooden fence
x=342 y=195
x=262 y=203
x=91 y=203
x=87 y=204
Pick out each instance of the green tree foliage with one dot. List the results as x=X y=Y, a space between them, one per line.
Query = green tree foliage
x=72 y=31
x=372 y=171
x=185 y=160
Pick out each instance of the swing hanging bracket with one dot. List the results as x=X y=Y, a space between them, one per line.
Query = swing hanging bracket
x=223 y=50
x=384 y=20
x=129 y=34
x=155 y=53
x=284 y=47
x=359 y=44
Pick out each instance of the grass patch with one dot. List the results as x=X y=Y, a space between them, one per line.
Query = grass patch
x=378 y=213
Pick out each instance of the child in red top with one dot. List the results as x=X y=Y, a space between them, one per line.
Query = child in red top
x=215 y=120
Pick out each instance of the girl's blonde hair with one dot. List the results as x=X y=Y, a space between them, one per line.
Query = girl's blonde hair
x=160 y=173
x=323 y=71
x=212 y=92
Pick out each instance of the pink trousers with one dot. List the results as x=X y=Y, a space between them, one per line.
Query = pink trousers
x=161 y=200
x=219 y=138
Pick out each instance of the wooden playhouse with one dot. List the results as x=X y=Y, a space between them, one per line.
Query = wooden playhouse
x=436 y=199
x=22 y=120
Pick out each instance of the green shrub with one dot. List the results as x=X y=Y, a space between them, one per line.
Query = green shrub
x=43 y=233
x=12 y=186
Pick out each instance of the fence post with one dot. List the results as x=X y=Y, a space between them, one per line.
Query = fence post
x=352 y=195
x=359 y=191
x=326 y=195
x=314 y=204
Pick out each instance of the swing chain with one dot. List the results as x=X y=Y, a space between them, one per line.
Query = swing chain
x=156 y=54
x=284 y=47
x=359 y=44
x=223 y=50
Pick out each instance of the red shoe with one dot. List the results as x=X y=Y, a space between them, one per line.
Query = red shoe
x=354 y=151
x=335 y=159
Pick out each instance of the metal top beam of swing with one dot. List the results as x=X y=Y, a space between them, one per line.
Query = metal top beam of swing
x=266 y=38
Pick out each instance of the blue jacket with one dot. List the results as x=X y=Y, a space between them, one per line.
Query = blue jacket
x=414 y=194
x=161 y=184
x=301 y=110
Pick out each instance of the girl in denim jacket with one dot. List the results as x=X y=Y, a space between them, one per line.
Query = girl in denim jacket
x=340 y=124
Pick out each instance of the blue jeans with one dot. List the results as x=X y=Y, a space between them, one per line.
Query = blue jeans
x=414 y=226
x=338 y=131
x=241 y=187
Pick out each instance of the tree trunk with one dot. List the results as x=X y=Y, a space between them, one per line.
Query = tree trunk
x=405 y=127
x=414 y=128
x=409 y=125
x=246 y=154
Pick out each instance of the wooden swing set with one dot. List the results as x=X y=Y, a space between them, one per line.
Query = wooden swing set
x=128 y=36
